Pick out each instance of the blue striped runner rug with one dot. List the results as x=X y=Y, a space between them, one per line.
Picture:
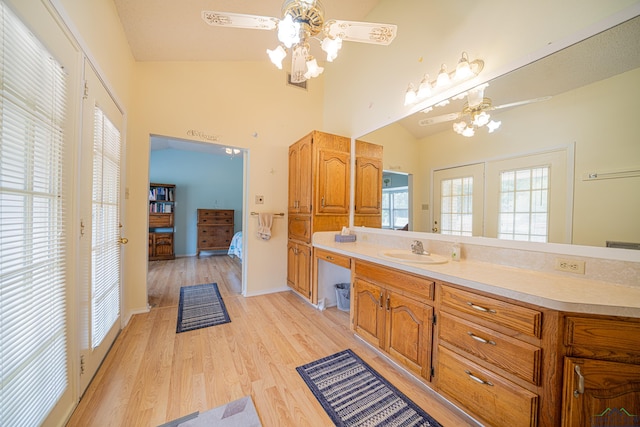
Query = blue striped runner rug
x=200 y=306
x=353 y=394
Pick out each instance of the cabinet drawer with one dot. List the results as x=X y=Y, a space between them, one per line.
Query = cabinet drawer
x=219 y=233
x=160 y=220
x=221 y=217
x=490 y=397
x=610 y=337
x=514 y=356
x=515 y=317
x=417 y=285
x=341 y=260
x=300 y=228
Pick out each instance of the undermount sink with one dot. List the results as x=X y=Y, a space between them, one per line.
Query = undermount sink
x=403 y=255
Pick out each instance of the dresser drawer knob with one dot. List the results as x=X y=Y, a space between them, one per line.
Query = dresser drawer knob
x=478 y=380
x=480 y=308
x=480 y=339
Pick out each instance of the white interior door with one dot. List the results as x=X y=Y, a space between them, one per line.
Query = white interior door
x=458 y=201
x=100 y=251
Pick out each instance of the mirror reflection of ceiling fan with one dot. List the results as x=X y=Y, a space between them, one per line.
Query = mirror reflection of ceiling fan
x=303 y=20
x=475 y=113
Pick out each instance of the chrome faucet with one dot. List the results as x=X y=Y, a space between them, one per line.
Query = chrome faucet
x=417 y=248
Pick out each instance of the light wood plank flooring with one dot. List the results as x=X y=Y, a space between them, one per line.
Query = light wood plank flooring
x=153 y=375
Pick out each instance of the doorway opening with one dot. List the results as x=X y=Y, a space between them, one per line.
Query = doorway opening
x=205 y=179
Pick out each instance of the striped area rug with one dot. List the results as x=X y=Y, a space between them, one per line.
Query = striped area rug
x=353 y=394
x=200 y=306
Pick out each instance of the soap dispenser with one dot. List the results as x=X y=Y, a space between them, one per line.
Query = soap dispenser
x=455 y=251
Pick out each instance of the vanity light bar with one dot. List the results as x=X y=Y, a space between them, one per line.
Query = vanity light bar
x=464 y=70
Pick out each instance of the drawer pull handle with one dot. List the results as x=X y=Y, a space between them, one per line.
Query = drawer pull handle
x=380 y=299
x=480 y=308
x=580 y=389
x=478 y=380
x=480 y=339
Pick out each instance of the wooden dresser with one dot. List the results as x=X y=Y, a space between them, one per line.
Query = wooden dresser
x=215 y=229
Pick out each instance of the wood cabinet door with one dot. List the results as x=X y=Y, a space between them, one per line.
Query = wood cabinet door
x=294 y=180
x=368 y=317
x=303 y=270
x=332 y=196
x=291 y=265
x=600 y=393
x=368 y=189
x=408 y=333
x=305 y=175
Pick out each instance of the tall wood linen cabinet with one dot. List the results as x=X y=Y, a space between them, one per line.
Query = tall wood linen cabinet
x=319 y=181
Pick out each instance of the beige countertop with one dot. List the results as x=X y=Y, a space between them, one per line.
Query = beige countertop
x=553 y=291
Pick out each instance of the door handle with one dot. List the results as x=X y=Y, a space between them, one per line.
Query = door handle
x=123 y=240
x=580 y=389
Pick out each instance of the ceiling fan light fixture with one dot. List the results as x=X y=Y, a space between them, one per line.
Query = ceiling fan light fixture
x=331 y=46
x=289 y=31
x=481 y=119
x=459 y=127
x=313 y=70
x=493 y=125
x=468 y=132
x=277 y=55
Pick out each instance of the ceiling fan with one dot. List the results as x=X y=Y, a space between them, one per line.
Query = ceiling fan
x=301 y=21
x=476 y=112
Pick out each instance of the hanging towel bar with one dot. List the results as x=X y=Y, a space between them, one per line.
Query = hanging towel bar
x=275 y=214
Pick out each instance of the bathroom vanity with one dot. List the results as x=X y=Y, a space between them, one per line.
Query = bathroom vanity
x=509 y=346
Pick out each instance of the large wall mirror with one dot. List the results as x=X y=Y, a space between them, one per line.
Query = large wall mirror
x=574 y=111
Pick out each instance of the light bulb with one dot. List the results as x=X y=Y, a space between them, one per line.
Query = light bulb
x=331 y=46
x=481 y=119
x=463 y=69
x=313 y=70
x=424 y=90
x=410 y=96
x=468 y=132
x=277 y=55
x=443 y=77
x=288 y=31
x=493 y=125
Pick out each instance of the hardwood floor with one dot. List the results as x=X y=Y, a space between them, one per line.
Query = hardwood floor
x=153 y=375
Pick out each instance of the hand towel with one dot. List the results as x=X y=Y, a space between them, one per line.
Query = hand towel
x=264 y=225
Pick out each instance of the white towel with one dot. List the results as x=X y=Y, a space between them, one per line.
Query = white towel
x=264 y=225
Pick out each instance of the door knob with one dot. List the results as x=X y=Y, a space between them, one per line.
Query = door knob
x=123 y=240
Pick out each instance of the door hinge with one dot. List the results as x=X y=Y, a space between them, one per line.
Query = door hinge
x=433 y=372
x=82 y=365
x=434 y=319
x=86 y=90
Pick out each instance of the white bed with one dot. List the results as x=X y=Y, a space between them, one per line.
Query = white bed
x=235 y=249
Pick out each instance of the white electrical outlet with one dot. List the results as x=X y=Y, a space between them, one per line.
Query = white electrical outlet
x=570 y=265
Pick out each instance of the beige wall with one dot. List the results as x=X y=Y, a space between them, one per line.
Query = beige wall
x=366 y=83
x=231 y=101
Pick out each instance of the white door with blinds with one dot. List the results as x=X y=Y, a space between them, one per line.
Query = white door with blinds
x=100 y=213
x=35 y=162
x=458 y=201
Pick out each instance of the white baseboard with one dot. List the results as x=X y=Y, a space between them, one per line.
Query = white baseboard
x=266 y=291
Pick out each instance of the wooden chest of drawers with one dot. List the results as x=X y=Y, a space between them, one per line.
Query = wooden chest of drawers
x=215 y=229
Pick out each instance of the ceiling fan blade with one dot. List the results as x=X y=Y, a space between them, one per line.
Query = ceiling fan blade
x=239 y=20
x=363 y=32
x=515 y=104
x=439 y=119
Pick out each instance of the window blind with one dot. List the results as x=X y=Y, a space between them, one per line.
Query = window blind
x=33 y=355
x=105 y=253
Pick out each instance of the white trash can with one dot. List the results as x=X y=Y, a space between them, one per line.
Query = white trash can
x=342 y=295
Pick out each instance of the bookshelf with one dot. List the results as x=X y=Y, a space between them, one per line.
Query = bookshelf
x=161 y=221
